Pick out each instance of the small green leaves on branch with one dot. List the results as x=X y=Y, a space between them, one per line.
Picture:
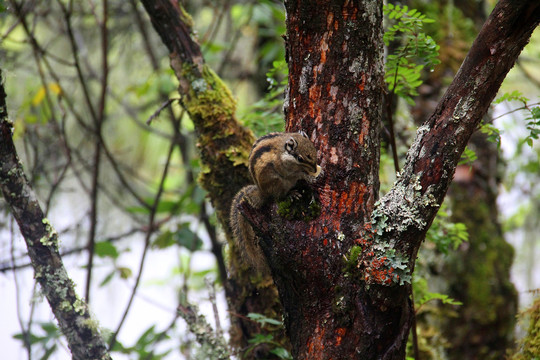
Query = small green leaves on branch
x=267 y=338
x=445 y=234
x=532 y=111
x=415 y=50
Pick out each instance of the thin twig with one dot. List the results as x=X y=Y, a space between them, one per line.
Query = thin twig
x=99 y=120
x=211 y=286
x=164 y=105
x=150 y=231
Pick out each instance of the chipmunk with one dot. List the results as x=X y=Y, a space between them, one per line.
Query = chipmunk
x=276 y=162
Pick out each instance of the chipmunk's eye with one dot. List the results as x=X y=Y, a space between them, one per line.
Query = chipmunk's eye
x=300 y=158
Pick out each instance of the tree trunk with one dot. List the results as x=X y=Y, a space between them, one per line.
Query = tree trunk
x=342 y=280
x=343 y=277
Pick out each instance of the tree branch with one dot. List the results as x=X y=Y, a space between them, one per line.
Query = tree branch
x=71 y=312
x=432 y=159
x=223 y=145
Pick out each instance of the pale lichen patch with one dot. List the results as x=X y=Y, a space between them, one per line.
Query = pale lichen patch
x=51 y=236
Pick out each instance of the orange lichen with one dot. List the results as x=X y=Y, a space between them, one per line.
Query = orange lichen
x=365 y=129
x=340 y=333
x=316 y=344
x=377 y=270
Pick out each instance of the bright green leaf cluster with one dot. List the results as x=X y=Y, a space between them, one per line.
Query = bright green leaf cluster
x=266 y=114
x=533 y=125
x=492 y=132
x=468 y=157
x=532 y=119
x=445 y=234
x=415 y=51
x=267 y=338
x=421 y=288
x=515 y=95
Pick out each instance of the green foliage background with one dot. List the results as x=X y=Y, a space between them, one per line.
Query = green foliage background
x=47 y=77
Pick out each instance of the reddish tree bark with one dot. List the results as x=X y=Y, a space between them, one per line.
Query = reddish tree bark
x=359 y=307
x=342 y=277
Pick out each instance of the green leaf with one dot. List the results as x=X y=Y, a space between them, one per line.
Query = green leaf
x=492 y=132
x=182 y=236
x=33 y=339
x=515 y=95
x=261 y=339
x=106 y=249
x=468 y=157
x=138 y=210
x=188 y=239
x=125 y=272
x=445 y=299
x=107 y=279
x=281 y=353
x=164 y=240
x=263 y=320
x=51 y=329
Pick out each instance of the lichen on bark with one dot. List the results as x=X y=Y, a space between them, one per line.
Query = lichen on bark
x=74 y=319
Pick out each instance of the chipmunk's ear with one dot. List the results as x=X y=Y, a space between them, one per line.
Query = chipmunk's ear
x=301 y=132
x=291 y=145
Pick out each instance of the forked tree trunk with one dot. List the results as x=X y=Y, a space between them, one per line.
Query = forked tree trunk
x=342 y=279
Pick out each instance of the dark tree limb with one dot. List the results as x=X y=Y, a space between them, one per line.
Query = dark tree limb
x=71 y=312
x=434 y=155
x=224 y=146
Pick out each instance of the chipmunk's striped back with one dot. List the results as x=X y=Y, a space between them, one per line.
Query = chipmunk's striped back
x=276 y=162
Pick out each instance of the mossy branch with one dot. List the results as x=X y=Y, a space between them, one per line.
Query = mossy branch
x=224 y=146
x=71 y=312
x=223 y=143
x=213 y=345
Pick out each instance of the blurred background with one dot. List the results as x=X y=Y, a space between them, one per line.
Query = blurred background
x=113 y=160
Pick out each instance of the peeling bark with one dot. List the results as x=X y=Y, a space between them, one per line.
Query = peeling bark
x=79 y=327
